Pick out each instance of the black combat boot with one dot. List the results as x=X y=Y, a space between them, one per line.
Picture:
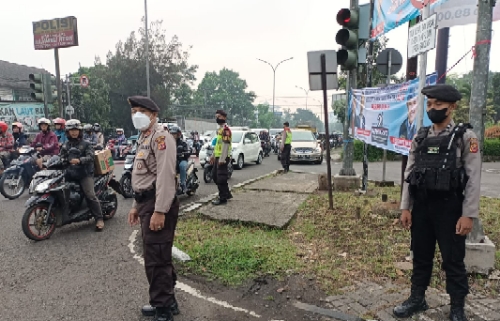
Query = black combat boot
x=415 y=303
x=149 y=311
x=163 y=314
x=457 y=312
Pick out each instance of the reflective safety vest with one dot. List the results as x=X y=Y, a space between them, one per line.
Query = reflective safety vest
x=288 y=139
x=219 y=143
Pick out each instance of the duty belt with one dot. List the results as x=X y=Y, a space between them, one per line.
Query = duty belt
x=145 y=196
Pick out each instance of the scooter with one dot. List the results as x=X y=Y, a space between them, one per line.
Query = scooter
x=207 y=170
x=126 y=180
x=58 y=202
x=192 y=181
x=20 y=174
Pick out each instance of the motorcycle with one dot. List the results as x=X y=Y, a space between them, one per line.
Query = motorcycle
x=119 y=151
x=20 y=173
x=126 y=180
x=207 y=170
x=266 y=147
x=58 y=201
x=192 y=181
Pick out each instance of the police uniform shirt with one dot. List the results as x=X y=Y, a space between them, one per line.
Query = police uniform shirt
x=468 y=156
x=156 y=161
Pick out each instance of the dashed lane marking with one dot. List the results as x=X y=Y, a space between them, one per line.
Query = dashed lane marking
x=186 y=288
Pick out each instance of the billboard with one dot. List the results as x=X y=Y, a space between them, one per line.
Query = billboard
x=25 y=113
x=387 y=117
x=55 y=33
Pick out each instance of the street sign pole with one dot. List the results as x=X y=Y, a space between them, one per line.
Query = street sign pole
x=327 y=130
x=422 y=71
x=58 y=82
x=388 y=82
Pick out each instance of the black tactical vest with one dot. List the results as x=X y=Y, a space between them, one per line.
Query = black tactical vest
x=435 y=170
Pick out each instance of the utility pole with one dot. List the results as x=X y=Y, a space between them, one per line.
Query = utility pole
x=147 y=46
x=58 y=83
x=422 y=71
x=305 y=91
x=479 y=88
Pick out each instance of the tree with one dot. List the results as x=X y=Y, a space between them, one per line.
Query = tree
x=169 y=69
x=305 y=116
x=226 y=90
x=265 y=117
x=339 y=109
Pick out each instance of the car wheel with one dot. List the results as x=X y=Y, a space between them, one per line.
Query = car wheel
x=259 y=159
x=240 y=162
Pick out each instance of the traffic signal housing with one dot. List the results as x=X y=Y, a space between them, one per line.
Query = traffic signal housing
x=37 y=85
x=355 y=27
x=51 y=82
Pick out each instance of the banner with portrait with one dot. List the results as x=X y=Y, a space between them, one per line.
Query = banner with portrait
x=387 y=117
x=390 y=14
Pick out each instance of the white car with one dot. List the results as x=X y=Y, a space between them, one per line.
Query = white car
x=246 y=148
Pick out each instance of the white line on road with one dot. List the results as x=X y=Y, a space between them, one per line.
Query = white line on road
x=184 y=287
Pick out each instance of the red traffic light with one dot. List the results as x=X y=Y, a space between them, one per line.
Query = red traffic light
x=344 y=17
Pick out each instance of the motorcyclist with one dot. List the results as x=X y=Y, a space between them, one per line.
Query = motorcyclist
x=6 y=146
x=19 y=136
x=89 y=136
x=81 y=166
x=182 y=156
x=264 y=136
x=48 y=141
x=120 y=136
x=100 y=136
x=59 y=124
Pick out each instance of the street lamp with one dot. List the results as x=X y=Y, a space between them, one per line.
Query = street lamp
x=147 y=46
x=274 y=75
x=306 y=91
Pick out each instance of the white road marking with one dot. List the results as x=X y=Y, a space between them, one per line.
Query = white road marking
x=186 y=288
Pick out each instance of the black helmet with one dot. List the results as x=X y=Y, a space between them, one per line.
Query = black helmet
x=175 y=130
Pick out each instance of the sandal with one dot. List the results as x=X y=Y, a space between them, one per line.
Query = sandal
x=99 y=225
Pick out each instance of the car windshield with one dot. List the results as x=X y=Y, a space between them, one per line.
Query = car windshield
x=237 y=137
x=304 y=136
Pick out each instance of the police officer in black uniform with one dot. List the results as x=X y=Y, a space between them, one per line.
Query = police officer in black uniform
x=442 y=190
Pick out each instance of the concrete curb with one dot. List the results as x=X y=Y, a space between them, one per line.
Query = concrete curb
x=190 y=207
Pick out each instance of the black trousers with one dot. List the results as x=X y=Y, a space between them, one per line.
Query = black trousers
x=157 y=247
x=434 y=220
x=219 y=173
x=285 y=155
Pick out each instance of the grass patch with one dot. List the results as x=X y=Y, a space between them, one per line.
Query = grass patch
x=234 y=252
x=349 y=244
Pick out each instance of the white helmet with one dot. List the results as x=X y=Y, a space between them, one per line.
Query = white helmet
x=73 y=124
x=43 y=121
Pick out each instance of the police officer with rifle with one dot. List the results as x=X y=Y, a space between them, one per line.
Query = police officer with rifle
x=440 y=200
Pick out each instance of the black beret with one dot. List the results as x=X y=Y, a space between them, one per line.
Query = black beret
x=221 y=112
x=145 y=102
x=287 y=124
x=442 y=92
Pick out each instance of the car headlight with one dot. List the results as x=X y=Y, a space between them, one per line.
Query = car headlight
x=318 y=150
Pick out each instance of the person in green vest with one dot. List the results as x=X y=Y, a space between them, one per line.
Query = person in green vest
x=286 y=146
x=221 y=158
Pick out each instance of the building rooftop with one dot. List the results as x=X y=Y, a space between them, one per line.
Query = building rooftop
x=15 y=76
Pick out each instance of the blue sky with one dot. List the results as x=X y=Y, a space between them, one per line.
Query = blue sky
x=223 y=33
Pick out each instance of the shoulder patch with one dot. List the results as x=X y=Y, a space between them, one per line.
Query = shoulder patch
x=474 y=146
x=160 y=141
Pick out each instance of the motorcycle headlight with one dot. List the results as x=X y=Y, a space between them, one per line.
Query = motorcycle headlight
x=42 y=187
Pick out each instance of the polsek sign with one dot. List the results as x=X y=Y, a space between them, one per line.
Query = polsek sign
x=55 y=33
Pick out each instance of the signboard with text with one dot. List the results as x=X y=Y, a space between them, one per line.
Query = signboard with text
x=422 y=37
x=25 y=113
x=55 y=33
x=459 y=13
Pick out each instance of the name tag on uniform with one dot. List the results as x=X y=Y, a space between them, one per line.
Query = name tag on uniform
x=144 y=147
x=433 y=150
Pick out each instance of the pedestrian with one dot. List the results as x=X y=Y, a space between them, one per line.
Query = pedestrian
x=286 y=146
x=221 y=157
x=156 y=206
x=442 y=190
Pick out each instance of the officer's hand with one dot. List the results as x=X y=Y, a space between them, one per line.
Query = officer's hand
x=212 y=160
x=74 y=161
x=157 y=221
x=406 y=219
x=464 y=225
x=133 y=217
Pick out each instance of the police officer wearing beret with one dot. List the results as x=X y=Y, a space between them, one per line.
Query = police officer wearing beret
x=156 y=206
x=440 y=200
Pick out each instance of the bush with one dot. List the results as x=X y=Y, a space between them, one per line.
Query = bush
x=491 y=147
x=375 y=154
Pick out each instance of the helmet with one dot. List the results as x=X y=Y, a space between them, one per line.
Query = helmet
x=18 y=125
x=87 y=127
x=119 y=129
x=175 y=130
x=97 y=127
x=3 y=126
x=59 y=121
x=43 y=121
x=73 y=124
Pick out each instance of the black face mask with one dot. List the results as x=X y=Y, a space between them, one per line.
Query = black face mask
x=437 y=116
x=220 y=121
